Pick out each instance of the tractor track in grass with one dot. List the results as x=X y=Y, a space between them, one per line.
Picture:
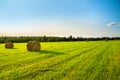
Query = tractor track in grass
x=30 y=60
x=76 y=55
x=68 y=70
x=104 y=66
x=91 y=69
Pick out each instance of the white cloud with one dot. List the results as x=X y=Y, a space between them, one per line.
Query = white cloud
x=113 y=24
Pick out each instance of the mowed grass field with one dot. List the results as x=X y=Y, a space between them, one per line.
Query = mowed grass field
x=95 y=60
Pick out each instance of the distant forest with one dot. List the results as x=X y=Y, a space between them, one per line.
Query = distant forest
x=21 y=39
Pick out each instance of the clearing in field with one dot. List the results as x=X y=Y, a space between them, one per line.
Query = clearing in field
x=98 y=60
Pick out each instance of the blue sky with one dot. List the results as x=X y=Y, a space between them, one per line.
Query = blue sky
x=86 y=18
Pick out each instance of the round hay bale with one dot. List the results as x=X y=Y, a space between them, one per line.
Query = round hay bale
x=9 y=45
x=33 y=46
x=87 y=40
x=106 y=40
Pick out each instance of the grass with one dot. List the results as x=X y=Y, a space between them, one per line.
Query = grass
x=98 y=60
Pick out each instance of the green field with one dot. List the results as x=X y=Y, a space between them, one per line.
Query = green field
x=95 y=60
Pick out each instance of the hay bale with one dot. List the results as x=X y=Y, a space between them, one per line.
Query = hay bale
x=9 y=45
x=87 y=40
x=33 y=46
x=106 y=40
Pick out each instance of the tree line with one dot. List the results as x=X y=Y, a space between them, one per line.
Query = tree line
x=44 y=38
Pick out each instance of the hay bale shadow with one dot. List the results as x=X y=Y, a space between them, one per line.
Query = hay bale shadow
x=49 y=52
x=11 y=48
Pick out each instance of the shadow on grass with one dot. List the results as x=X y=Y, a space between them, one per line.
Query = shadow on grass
x=49 y=52
x=11 y=48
